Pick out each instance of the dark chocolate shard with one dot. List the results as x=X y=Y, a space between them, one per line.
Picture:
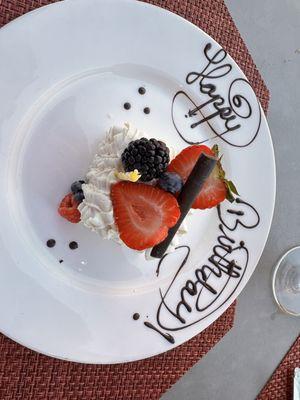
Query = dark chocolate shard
x=192 y=187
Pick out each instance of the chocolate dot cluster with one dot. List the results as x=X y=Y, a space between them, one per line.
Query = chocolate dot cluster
x=149 y=156
x=141 y=91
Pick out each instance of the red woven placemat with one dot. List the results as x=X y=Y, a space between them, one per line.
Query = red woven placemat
x=280 y=385
x=26 y=375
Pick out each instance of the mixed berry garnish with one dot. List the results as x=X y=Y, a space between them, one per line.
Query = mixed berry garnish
x=144 y=199
x=149 y=156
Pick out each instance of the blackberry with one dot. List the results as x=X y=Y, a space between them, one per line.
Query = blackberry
x=149 y=156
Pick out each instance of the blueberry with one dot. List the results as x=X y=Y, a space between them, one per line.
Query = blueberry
x=79 y=196
x=76 y=186
x=170 y=182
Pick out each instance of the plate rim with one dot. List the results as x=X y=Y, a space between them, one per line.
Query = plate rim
x=141 y=4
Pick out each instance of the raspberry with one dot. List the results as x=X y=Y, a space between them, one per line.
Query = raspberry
x=68 y=209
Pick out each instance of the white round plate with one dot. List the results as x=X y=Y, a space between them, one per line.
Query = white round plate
x=66 y=70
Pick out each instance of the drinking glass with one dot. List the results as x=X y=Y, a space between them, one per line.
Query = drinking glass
x=286 y=282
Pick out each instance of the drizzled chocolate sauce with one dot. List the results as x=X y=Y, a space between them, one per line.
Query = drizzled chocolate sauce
x=165 y=335
x=230 y=110
x=136 y=316
x=220 y=264
x=241 y=213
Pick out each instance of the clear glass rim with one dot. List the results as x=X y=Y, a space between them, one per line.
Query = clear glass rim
x=277 y=265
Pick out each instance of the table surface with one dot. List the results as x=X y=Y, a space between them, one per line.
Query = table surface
x=240 y=365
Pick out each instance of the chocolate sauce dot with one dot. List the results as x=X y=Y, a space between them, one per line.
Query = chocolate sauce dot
x=51 y=243
x=136 y=316
x=186 y=116
x=73 y=245
x=142 y=90
x=147 y=110
x=127 y=106
x=61 y=261
x=242 y=243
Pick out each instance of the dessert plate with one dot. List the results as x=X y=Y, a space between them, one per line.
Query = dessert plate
x=66 y=72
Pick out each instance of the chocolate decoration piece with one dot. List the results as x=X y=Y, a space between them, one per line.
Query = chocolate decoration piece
x=202 y=169
x=73 y=245
x=51 y=243
x=165 y=335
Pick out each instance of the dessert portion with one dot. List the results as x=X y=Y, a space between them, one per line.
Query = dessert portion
x=131 y=191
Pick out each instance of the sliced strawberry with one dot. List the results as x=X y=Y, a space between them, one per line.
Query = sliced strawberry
x=185 y=161
x=68 y=209
x=143 y=213
x=216 y=188
x=214 y=191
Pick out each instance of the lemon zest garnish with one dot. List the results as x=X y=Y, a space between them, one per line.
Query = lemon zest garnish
x=132 y=176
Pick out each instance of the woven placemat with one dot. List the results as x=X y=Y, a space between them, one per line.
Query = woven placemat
x=280 y=385
x=26 y=375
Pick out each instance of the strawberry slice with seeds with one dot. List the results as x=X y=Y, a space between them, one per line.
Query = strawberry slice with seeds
x=68 y=209
x=143 y=213
x=216 y=188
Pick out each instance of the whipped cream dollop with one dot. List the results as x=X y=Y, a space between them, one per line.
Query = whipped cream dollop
x=96 y=209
